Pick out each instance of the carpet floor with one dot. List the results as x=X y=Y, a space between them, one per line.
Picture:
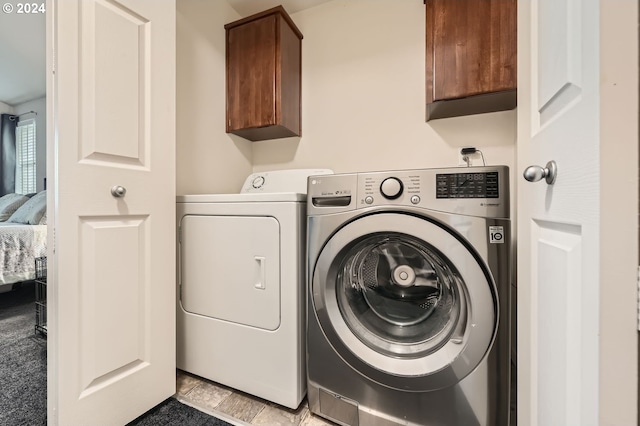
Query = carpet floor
x=173 y=413
x=23 y=361
x=23 y=372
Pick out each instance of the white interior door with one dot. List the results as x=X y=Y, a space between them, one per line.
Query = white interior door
x=558 y=225
x=111 y=94
x=562 y=269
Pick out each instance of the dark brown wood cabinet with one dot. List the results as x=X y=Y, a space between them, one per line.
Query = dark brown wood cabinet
x=471 y=57
x=263 y=60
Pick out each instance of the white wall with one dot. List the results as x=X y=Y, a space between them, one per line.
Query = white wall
x=207 y=159
x=363 y=97
x=618 y=346
x=4 y=108
x=39 y=106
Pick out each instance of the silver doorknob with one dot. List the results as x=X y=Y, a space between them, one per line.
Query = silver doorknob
x=536 y=173
x=118 y=191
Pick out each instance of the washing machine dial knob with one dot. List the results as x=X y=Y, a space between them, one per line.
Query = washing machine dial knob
x=391 y=188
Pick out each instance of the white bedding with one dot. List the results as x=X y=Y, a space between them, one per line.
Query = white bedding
x=19 y=246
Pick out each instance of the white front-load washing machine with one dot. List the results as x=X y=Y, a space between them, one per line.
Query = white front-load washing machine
x=241 y=286
x=408 y=298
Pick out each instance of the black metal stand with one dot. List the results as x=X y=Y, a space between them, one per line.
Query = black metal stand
x=41 y=296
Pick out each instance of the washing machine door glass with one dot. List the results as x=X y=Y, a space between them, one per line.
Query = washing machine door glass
x=405 y=301
x=399 y=295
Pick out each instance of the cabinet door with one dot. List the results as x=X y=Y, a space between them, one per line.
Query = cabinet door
x=251 y=70
x=471 y=52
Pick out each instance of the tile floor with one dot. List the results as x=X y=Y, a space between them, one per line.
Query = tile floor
x=242 y=409
x=239 y=408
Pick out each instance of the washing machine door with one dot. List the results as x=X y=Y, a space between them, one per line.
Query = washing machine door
x=405 y=301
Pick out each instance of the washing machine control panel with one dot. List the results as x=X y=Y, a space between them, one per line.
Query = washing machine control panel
x=467 y=185
x=474 y=191
x=382 y=188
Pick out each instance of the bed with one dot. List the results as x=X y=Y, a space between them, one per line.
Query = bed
x=19 y=246
x=23 y=237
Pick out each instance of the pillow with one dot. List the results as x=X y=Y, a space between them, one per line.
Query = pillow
x=32 y=211
x=9 y=204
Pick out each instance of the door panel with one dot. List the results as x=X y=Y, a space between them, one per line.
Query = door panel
x=230 y=269
x=119 y=36
x=106 y=242
x=112 y=259
x=558 y=256
x=114 y=34
x=559 y=69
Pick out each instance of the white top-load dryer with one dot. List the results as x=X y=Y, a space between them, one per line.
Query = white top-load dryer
x=241 y=286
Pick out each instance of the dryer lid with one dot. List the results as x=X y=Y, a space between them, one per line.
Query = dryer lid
x=264 y=187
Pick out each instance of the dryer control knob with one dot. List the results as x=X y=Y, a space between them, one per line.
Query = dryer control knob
x=258 y=182
x=391 y=188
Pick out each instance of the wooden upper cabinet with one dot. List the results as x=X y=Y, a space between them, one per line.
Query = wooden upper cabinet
x=264 y=76
x=471 y=57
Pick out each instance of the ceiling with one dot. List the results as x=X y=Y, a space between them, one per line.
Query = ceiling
x=249 y=7
x=22 y=57
x=23 y=47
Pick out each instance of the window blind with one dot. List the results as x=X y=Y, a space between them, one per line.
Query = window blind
x=26 y=157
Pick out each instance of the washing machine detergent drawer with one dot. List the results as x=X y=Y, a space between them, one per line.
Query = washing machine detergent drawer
x=230 y=269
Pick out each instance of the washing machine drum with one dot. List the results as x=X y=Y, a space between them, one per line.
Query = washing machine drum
x=405 y=301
